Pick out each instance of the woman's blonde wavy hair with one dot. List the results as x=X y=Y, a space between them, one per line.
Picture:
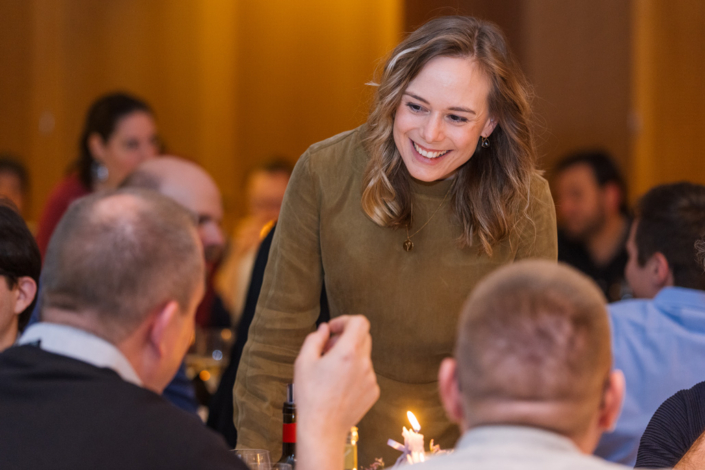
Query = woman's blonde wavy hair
x=491 y=190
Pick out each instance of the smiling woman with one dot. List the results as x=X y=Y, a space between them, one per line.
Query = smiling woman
x=402 y=217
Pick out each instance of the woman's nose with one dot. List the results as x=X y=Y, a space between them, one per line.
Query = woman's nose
x=433 y=129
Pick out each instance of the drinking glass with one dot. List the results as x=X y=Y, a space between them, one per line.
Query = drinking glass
x=256 y=459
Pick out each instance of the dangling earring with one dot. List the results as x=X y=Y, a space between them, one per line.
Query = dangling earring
x=100 y=171
x=485 y=142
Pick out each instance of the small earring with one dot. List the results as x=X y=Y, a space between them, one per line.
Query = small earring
x=485 y=142
x=100 y=171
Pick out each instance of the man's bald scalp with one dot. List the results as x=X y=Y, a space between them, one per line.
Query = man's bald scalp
x=537 y=334
x=118 y=256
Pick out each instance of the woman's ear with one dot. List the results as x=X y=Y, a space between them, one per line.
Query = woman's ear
x=489 y=128
x=96 y=146
x=26 y=291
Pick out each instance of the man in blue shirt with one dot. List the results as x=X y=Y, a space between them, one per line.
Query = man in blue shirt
x=659 y=337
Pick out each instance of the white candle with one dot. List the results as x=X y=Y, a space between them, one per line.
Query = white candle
x=413 y=440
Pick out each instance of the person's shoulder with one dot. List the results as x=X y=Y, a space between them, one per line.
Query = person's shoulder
x=540 y=193
x=629 y=310
x=341 y=149
x=68 y=189
x=539 y=185
x=185 y=436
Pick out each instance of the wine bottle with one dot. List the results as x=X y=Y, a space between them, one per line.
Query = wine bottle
x=289 y=429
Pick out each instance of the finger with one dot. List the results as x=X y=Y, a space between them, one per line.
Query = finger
x=337 y=324
x=356 y=332
x=314 y=343
x=330 y=343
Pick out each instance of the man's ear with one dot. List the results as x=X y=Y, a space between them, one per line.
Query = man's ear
x=96 y=146
x=26 y=291
x=612 y=401
x=162 y=326
x=660 y=271
x=450 y=391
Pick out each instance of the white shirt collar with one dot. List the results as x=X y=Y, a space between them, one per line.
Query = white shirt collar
x=81 y=345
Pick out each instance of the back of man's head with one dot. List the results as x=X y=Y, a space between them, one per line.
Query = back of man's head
x=670 y=219
x=534 y=348
x=115 y=258
x=191 y=186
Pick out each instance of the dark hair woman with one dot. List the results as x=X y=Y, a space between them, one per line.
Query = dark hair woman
x=402 y=217
x=119 y=133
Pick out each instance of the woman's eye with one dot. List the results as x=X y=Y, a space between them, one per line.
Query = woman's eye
x=414 y=107
x=456 y=118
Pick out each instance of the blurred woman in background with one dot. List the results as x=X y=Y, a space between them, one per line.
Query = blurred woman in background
x=119 y=133
x=401 y=218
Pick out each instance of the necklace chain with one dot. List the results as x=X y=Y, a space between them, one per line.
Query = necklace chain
x=408 y=245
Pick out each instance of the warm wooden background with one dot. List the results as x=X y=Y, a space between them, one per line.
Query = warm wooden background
x=235 y=81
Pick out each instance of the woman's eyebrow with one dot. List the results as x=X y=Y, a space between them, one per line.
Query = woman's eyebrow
x=454 y=108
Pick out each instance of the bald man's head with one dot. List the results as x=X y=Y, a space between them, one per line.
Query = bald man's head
x=111 y=261
x=534 y=347
x=193 y=188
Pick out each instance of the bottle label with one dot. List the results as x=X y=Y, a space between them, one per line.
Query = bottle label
x=289 y=434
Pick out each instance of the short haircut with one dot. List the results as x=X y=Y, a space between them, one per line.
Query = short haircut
x=535 y=332
x=671 y=218
x=13 y=165
x=603 y=168
x=120 y=255
x=275 y=164
x=19 y=254
x=142 y=179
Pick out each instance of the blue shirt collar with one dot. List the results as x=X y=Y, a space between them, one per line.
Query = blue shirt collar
x=680 y=296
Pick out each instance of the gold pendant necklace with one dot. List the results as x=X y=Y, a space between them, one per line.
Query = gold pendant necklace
x=408 y=245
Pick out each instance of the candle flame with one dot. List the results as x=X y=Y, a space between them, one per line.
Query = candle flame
x=414 y=422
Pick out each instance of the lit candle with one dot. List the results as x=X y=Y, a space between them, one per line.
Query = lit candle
x=413 y=440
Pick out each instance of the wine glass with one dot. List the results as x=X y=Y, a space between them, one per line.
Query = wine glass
x=255 y=459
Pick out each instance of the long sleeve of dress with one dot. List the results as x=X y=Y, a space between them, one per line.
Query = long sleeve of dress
x=292 y=279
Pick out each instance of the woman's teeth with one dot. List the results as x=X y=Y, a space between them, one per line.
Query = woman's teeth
x=428 y=154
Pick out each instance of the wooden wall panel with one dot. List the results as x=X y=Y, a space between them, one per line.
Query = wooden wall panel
x=577 y=56
x=668 y=92
x=303 y=68
x=15 y=97
x=232 y=81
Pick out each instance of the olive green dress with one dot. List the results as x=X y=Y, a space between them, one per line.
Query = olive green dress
x=412 y=299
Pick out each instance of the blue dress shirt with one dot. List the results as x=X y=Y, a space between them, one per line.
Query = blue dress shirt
x=659 y=344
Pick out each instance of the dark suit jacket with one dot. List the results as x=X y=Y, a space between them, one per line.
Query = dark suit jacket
x=60 y=413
